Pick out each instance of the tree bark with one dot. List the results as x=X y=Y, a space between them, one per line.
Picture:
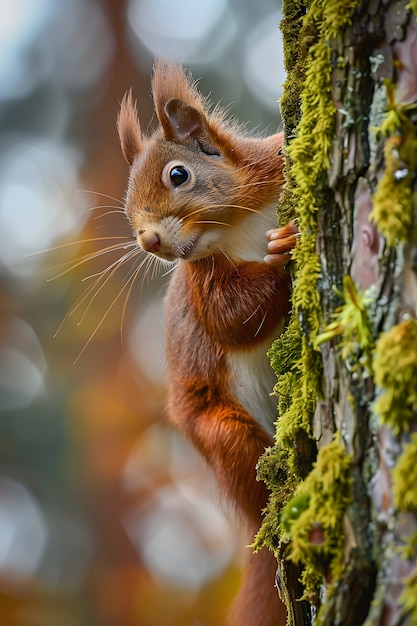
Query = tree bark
x=342 y=517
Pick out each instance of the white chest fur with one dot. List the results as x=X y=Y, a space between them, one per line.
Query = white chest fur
x=252 y=381
x=248 y=241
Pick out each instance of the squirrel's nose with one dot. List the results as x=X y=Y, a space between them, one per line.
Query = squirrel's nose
x=148 y=241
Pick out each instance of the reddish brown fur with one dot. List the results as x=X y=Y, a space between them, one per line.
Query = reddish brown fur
x=201 y=327
x=217 y=304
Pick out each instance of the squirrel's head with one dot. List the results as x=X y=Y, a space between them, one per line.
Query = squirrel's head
x=196 y=177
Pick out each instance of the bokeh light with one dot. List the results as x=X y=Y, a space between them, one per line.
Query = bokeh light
x=107 y=516
x=38 y=200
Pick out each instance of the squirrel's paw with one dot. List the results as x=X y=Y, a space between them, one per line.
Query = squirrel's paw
x=281 y=241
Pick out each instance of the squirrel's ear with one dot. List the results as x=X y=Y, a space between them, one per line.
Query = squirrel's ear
x=180 y=108
x=182 y=122
x=128 y=127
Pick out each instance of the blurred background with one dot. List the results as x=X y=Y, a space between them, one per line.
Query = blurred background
x=107 y=517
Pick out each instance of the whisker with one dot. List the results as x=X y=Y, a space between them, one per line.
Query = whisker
x=211 y=222
x=156 y=264
x=252 y=314
x=261 y=324
x=115 y=209
x=86 y=293
x=98 y=193
x=95 y=331
x=132 y=270
x=171 y=269
x=77 y=242
x=151 y=262
x=233 y=206
x=108 y=274
x=131 y=283
x=114 y=212
x=258 y=183
x=101 y=272
x=245 y=167
x=213 y=265
x=220 y=206
x=227 y=257
x=200 y=210
x=90 y=256
x=103 y=206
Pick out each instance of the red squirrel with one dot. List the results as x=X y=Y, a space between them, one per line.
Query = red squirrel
x=202 y=194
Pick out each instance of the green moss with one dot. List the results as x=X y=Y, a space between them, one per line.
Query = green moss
x=395 y=367
x=333 y=17
x=352 y=323
x=299 y=379
x=413 y=6
x=393 y=208
x=307 y=27
x=397 y=401
x=314 y=518
x=408 y=600
x=293 y=510
x=279 y=467
x=273 y=470
x=310 y=161
x=291 y=27
x=393 y=199
x=297 y=389
x=404 y=477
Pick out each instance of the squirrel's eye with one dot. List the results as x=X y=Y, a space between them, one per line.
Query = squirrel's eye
x=179 y=175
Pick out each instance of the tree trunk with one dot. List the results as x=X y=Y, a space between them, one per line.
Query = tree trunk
x=342 y=517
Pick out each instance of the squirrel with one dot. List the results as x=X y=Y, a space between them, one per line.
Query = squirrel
x=202 y=193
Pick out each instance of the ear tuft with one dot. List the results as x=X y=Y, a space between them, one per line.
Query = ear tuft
x=171 y=81
x=128 y=128
x=180 y=108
